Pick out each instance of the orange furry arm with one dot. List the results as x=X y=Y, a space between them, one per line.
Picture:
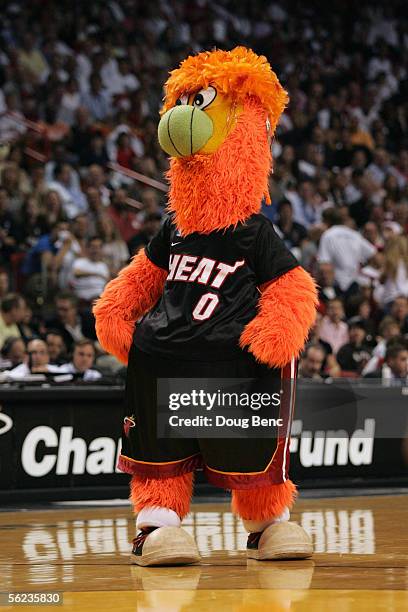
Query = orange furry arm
x=126 y=298
x=287 y=310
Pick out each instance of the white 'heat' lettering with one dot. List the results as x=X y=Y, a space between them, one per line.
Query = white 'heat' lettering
x=189 y=268
x=224 y=271
x=174 y=259
x=185 y=267
x=203 y=271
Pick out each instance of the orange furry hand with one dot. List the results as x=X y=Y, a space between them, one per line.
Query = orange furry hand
x=124 y=300
x=115 y=336
x=287 y=310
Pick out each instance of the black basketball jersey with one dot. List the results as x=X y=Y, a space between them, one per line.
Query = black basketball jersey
x=211 y=291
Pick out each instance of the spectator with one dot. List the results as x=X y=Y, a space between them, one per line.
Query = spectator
x=90 y=274
x=37 y=362
x=82 y=362
x=95 y=152
x=12 y=311
x=12 y=353
x=394 y=280
x=150 y=201
x=345 y=249
x=328 y=289
x=150 y=227
x=69 y=103
x=51 y=208
x=363 y=308
x=96 y=177
x=285 y=167
x=4 y=284
x=330 y=365
x=292 y=233
x=32 y=225
x=15 y=181
x=123 y=80
x=56 y=347
x=311 y=362
x=71 y=245
x=114 y=250
x=372 y=233
x=306 y=204
x=97 y=100
x=402 y=167
x=8 y=228
x=31 y=60
x=95 y=209
x=73 y=325
x=388 y=329
x=353 y=356
x=81 y=135
x=38 y=184
x=108 y=365
x=65 y=184
x=333 y=330
x=12 y=121
x=399 y=311
x=27 y=327
x=40 y=258
x=125 y=155
x=123 y=217
x=395 y=367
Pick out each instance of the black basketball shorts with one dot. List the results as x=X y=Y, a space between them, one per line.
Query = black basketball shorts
x=240 y=463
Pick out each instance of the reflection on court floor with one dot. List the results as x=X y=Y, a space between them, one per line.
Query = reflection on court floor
x=342 y=531
x=360 y=546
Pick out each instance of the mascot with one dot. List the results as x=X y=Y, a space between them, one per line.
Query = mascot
x=215 y=294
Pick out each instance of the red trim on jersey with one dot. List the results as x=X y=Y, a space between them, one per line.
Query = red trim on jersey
x=166 y=469
x=289 y=385
x=224 y=480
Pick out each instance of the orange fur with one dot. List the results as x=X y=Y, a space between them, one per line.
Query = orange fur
x=174 y=493
x=238 y=73
x=213 y=192
x=287 y=310
x=124 y=300
x=265 y=502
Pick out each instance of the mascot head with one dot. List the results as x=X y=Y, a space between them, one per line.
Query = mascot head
x=219 y=116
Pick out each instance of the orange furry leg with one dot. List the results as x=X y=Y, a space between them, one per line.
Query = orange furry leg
x=287 y=310
x=263 y=503
x=124 y=300
x=173 y=493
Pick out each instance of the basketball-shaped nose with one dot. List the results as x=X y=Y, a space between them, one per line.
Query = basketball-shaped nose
x=183 y=130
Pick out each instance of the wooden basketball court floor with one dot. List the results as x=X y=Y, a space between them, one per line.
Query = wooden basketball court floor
x=360 y=560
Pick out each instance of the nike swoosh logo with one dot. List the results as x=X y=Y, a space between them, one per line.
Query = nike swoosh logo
x=174 y=243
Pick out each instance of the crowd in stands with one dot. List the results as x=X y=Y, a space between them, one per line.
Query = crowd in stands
x=80 y=90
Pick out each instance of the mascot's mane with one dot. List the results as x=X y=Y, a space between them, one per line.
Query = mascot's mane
x=238 y=73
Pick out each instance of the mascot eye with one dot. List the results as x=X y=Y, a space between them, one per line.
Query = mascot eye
x=182 y=100
x=204 y=97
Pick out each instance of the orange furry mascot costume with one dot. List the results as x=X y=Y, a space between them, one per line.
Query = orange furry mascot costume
x=216 y=293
